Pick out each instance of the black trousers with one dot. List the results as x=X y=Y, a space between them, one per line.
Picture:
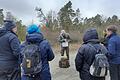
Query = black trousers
x=63 y=50
x=98 y=78
x=87 y=76
x=114 y=71
x=14 y=74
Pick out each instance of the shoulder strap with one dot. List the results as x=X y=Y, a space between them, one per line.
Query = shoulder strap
x=90 y=45
x=97 y=49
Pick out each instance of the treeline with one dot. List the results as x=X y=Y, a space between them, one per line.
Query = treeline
x=21 y=28
x=69 y=19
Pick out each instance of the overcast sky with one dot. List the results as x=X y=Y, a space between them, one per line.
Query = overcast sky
x=25 y=9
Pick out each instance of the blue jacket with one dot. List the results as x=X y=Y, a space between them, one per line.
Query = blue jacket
x=9 y=50
x=86 y=54
x=114 y=48
x=46 y=54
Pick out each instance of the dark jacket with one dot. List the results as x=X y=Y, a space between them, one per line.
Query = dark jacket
x=45 y=51
x=114 y=48
x=86 y=54
x=62 y=37
x=9 y=50
x=104 y=41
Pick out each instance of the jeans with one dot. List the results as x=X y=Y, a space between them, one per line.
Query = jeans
x=114 y=71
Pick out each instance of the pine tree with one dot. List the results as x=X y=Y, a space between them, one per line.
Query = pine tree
x=66 y=15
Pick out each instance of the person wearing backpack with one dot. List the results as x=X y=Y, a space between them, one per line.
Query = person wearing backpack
x=89 y=51
x=10 y=56
x=36 y=46
x=114 y=52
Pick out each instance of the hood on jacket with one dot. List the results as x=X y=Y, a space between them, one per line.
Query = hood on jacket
x=90 y=35
x=2 y=31
x=9 y=25
x=34 y=38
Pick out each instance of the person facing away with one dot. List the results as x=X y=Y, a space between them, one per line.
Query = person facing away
x=35 y=36
x=64 y=39
x=10 y=56
x=114 y=52
x=86 y=54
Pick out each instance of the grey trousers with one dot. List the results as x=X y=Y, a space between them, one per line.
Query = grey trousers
x=63 y=50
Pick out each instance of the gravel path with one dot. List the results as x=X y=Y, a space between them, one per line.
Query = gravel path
x=64 y=73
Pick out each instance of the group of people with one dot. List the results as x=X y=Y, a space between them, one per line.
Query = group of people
x=87 y=53
x=16 y=58
x=12 y=54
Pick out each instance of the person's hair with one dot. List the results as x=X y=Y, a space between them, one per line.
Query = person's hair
x=112 y=28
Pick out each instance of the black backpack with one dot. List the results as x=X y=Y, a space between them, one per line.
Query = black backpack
x=100 y=65
x=32 y=63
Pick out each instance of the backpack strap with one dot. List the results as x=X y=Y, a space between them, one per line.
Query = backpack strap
x=97 y=49
x=85 y=60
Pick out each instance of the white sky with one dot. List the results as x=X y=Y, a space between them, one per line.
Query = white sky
x=25 y=9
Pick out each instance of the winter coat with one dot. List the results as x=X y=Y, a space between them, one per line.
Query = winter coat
x=114 y=48
x=45 y=52
x=86 y=54
x=62 y=37
x=9 y=50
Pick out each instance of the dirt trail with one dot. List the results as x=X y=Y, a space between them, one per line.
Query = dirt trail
x=63 y=73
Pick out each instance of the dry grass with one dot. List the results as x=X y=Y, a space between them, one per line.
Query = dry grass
x=52 y=37
x=73 y=47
